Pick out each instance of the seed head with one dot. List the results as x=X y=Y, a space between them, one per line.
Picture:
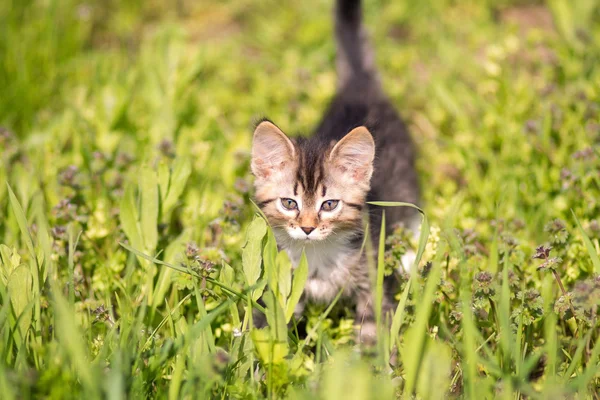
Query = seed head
x=542 y=252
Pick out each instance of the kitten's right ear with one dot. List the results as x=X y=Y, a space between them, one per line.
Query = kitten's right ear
x=271 y=150
x=353 y=155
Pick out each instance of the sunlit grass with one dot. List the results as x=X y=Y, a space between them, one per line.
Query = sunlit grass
x=132 y=256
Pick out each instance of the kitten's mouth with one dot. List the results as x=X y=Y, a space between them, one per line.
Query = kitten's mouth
x=319 y=238
x=303 y=238
x=295 y=235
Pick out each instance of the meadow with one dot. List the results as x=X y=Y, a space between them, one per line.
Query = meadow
x=131 y=252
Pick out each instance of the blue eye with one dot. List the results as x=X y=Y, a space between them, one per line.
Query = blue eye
x=329 y=205
x=289 y=204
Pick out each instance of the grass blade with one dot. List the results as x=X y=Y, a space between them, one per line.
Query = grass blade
x=34 y=265
x=149 y=208
x=129 y=217
x=417 y=334
x=22 y=221
x=380 y=272
x=399 y=316
x=211 y=280
x=588 y=245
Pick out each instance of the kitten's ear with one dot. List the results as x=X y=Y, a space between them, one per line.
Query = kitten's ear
x=354 y=154
x=271 y=150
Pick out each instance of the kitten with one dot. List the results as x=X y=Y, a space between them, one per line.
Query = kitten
x=314 y=190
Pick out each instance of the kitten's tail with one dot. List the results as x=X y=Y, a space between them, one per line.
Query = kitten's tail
x=355 y=58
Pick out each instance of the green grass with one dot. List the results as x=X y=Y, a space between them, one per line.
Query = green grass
x=132 y=254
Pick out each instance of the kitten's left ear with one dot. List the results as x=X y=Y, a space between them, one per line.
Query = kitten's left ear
x=272 y=150
x=354 y=154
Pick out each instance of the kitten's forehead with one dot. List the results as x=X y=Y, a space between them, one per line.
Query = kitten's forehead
x=311 y=172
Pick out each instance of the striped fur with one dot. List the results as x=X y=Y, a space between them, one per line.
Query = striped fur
x=338 y=164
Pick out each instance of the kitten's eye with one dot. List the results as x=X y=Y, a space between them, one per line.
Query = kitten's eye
x=329 y=205
x=289 y=204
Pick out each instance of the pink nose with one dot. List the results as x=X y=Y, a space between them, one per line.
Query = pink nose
x=307 y=229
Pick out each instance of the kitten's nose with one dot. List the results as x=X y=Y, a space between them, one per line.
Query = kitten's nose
x=307 y=229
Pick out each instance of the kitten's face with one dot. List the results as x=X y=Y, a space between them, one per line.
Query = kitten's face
x=311 y=191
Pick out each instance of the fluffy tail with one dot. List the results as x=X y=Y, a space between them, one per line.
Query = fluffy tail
x=355 y=58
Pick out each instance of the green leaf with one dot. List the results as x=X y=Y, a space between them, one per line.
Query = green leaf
x=589 y=246
x=164 y=175
x=251 y=253
x=9 y=261
x=269 y=350
x=182 y=170
x=34 y=266
x=283 y=274
x=129 y=217
x=207 y=335
x=275 y=316
x=399 y=316
x=298 y=282
x=271 y=343
x=22 y=221
x=270 y=251
x=227 y=274
x=20 y=285
x=163 y=283
x=43 y=236
x=149 y=208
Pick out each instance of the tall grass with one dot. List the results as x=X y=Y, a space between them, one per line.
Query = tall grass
x=132 y=258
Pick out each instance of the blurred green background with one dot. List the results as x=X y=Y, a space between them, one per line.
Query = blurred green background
x=131 y=121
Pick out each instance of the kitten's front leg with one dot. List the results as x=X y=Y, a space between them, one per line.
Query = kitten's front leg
x=365 y=313
x=365 y=318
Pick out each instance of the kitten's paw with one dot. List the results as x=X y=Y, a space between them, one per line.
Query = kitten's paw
x=367 y=333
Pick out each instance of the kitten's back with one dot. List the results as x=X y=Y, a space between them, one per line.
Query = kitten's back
x=360 y=100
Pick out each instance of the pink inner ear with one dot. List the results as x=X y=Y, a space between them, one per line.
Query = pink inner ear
x=357 y=172
x=261 y=169
x=271 y=150
x=353 y=155
x=360 y=174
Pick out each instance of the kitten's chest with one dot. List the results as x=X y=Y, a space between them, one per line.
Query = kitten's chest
x=331 y=265
x=322 y=258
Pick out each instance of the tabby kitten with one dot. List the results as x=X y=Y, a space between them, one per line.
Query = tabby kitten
x=314 y=190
